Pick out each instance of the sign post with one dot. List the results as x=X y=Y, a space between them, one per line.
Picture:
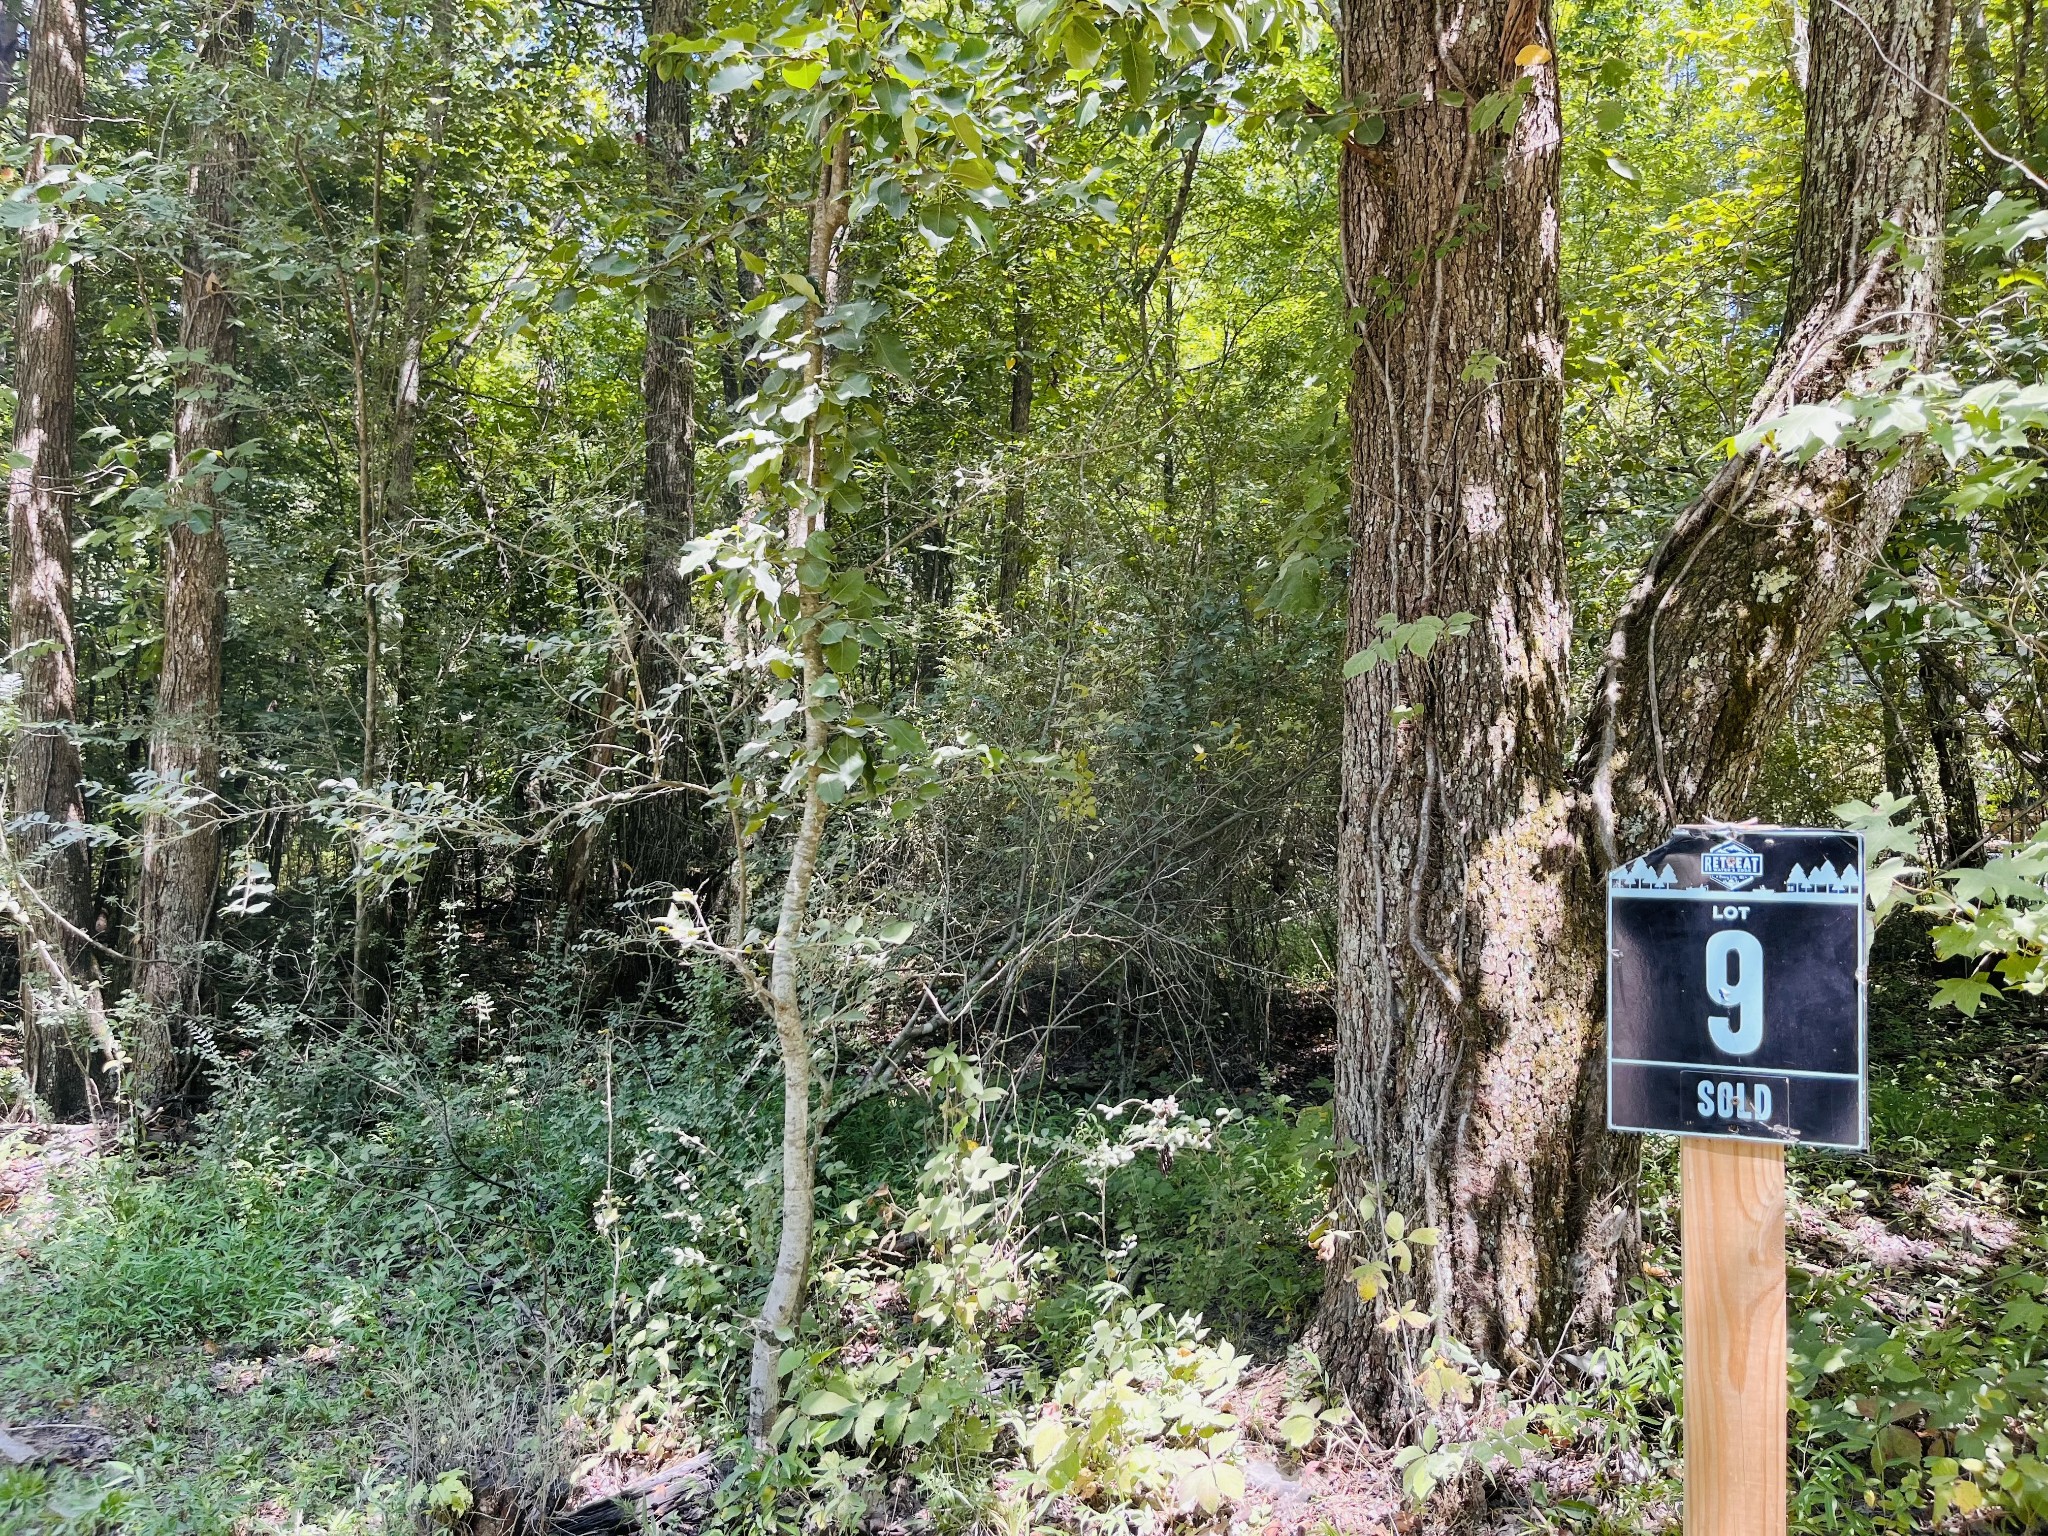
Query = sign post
x=1735 y=998
x=1732 y=1206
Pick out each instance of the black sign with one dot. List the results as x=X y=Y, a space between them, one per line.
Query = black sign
x=1735 y=987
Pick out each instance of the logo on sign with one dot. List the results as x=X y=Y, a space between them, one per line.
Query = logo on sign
x=1732 y=865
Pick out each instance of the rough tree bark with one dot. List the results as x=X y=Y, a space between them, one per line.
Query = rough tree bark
x=1471 y=867
x=656 y=841
x=1756 y=576
x=181 y=851
x=1962 y=820
x=652 y=840
x=1453 y=762
x=48 y=804
x=1887 y=679
x=2027 y=752
x=669 y=365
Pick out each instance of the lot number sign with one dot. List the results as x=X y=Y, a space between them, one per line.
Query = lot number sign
x=1735 y=987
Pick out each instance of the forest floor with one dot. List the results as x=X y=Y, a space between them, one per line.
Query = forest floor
x=260 y=1334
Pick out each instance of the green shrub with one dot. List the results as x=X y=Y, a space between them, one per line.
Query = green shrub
x=204 y=1251
x=1207 y=1214
x=1939 y=1412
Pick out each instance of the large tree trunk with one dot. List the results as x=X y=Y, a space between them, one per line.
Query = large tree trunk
x=659 y=844
x=1452 y=761
x=1471 y=871
x=1755 y=577
x=181 y=850
x=58 y=995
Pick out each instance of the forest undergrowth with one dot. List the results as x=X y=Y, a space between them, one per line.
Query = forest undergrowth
x=492 y=1274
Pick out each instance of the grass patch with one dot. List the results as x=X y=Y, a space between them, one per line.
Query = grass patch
x=197 y=1252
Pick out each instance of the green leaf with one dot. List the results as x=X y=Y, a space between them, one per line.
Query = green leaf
x=1298 y=589
x=1048 y=1438
x=1082 y=40
x=826 y=1405
x=1138 y=68
x=1033 y=14
x=736 y=76
x=1894 y=1445
x=1965 y=994
x=1193 y=29
x=1481 y=368
x=889 y=351
x=1213 y=1483
x=1488 y=112
x=870 y=1415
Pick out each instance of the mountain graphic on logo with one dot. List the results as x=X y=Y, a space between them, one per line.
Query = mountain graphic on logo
x=1732 y=865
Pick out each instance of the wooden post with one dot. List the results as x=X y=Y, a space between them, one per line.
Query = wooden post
x=1732 y=1197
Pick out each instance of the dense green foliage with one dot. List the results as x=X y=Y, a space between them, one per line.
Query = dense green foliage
x=1015 y=567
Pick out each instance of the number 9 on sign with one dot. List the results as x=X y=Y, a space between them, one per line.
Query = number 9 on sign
x=1735 y=980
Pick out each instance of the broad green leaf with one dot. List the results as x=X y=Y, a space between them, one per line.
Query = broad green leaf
x=1082 y=41
x=736 y=76
x=871 y=1413
x=1965 y=994
x=1047 y=1437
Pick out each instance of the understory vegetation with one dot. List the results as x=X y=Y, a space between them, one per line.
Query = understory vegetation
x=473 y=1278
